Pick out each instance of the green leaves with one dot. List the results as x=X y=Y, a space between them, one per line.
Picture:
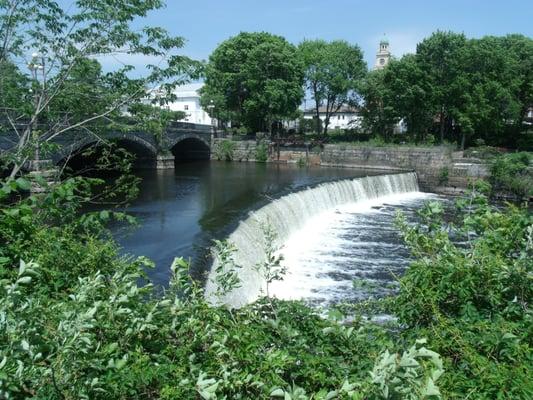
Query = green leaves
x=70 y=94
x=333 y=74
x=253 y=79
x=226 y=270
x=206 y=387
x=510 y=173
x=455 y=88
x=409 y=376
x=224 y=150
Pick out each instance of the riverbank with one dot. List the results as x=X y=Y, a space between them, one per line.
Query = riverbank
x=439 y=168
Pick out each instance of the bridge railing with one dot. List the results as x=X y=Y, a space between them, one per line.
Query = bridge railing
x=9 y=139
x=190 y=126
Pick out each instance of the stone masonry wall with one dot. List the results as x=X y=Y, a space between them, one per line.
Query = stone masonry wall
x=438 y=168
x=244 y=150
x=427 y=162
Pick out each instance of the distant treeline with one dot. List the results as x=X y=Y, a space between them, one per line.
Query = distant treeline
x=452 y=89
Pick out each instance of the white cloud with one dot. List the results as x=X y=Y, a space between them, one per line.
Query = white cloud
x=112 y=62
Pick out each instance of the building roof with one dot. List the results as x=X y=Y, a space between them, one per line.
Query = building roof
x=345 y=109
x=188 y=90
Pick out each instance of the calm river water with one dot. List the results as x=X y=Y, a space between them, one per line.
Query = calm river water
x=334 y=256
x=181 y=211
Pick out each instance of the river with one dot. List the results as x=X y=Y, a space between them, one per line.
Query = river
x=181 y=211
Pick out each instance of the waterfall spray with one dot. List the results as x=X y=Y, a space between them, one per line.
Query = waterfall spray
x=289 y=214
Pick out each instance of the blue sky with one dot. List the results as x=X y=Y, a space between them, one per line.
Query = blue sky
x=206 y=23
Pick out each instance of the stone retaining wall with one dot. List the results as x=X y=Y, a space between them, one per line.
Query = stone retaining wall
x=243 y=150
x=438 y=168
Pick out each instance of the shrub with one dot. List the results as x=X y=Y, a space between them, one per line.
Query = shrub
x=261 y=152
x=301 y=162
x=224 y=150
x=510 y=173
x=472 y=301
x=98 y=335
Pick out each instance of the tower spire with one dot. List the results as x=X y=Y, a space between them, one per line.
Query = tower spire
x=383 y=55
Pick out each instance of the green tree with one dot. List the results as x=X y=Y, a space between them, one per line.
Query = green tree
x=439 y=58
x=333 y=74
x=378 y=115
x=63 y=42
x=84 y=93
x=520 y=48
x=408 y=93
x=14 y=87
x=253 y=79
x=487 y=84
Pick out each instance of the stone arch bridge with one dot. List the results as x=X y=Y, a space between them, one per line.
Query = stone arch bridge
x=181 y=141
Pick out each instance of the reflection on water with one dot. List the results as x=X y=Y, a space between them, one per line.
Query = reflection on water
x=180 y=211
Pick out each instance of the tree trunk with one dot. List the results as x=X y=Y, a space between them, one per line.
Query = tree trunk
x=317 y=114
x=441 y=127
x=326 y=120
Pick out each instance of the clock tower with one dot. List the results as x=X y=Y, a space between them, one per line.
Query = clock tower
x=383 y=55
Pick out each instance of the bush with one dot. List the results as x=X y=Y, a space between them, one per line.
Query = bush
x=301 y=162
x=224 y=150
x=472 y=301
x=444 y=176
x=510 y=173
x=98 y=335
x=261 y=152
x=306 y=125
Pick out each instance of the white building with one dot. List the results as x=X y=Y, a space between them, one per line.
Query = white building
x=383 y=55
x=345 y=118
x=188 y=101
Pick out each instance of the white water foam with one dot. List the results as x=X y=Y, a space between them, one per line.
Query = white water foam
x=307 y=222
x=339 y=246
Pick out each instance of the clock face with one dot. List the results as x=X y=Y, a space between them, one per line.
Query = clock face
x=382 y=61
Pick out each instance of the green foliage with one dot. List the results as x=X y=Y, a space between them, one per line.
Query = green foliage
x=153 y=119
x=253 y=79
x=63 y=90
x=99 y=335
x=74 y=322
x=270 y=269
x=512 y=173
x=444 y=175
x=261 y=152
x=224 y=150
x=408 y=91
x=301 y=162
x=333 y=73
x=472 y=301
x=378 y=116
x=306 y=125
x=410 y=376
x=226 y=271
x=457 y=88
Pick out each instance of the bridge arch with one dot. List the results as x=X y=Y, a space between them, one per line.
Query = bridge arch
x=189 y=147
x=142 y=146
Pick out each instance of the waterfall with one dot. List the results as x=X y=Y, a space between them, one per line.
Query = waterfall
x=289 y=214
